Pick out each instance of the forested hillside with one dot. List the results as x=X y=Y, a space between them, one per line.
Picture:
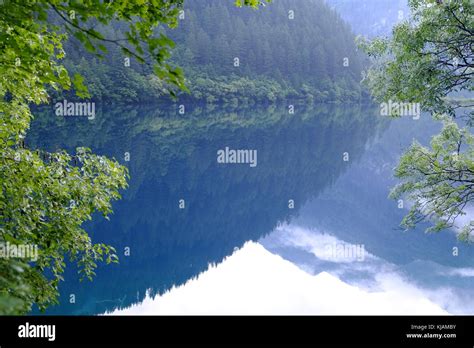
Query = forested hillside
x=288 y=50
x=371 y=17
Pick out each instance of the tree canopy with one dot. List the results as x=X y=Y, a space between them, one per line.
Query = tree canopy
x=429 y=60
x=45 y=197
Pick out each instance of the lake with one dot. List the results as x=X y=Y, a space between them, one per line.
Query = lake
x=298 y=222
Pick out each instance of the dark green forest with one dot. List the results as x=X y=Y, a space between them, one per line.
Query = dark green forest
x=289 y=50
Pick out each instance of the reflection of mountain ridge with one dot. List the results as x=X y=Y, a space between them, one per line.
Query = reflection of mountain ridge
x=174 y=157
x=359 y=193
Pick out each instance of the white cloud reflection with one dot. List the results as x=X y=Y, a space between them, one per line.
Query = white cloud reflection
x=255 y=281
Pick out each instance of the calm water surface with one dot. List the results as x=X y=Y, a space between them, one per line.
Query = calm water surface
x=304 y=231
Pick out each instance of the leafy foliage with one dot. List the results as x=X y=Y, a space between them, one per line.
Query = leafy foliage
x=45 y=197
x=429 y=58
x=440 y=180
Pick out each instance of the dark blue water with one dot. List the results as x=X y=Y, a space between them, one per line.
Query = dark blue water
x=334 y=162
